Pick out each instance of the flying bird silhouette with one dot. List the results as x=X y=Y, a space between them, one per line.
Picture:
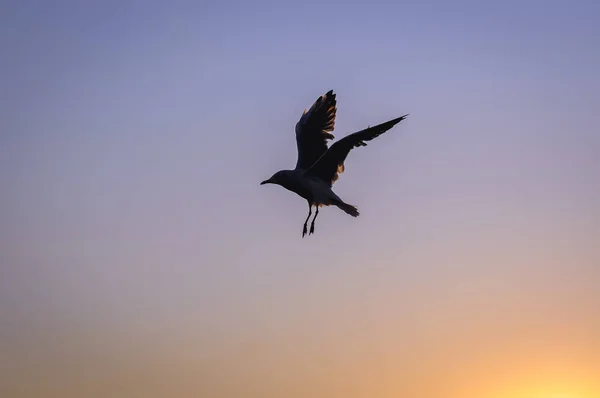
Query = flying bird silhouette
x=318 y=166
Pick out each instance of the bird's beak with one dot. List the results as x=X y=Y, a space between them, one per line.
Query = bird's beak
x=266 y=182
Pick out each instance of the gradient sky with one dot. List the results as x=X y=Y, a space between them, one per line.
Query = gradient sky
x=139 y=256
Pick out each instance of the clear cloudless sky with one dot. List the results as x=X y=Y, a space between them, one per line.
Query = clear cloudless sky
x=139 y=256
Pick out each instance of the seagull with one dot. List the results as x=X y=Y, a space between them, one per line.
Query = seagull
x=318 y=166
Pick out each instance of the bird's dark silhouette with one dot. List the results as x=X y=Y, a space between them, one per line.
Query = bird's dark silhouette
x=318 y=166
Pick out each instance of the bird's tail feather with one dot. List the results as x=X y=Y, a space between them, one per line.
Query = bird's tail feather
x=352 y=210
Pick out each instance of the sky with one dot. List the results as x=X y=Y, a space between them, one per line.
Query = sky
x=139 y=256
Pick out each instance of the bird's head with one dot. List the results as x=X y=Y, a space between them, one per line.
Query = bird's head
x=276 y=178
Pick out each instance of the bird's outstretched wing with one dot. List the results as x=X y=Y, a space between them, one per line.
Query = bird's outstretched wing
x=313 y=130
x=331 y=164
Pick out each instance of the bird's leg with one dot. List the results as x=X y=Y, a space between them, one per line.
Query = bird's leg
x=306 y=221
x=312 y=224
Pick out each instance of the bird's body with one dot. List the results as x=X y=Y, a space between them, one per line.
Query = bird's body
x=316 y=191
x=318 y=166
